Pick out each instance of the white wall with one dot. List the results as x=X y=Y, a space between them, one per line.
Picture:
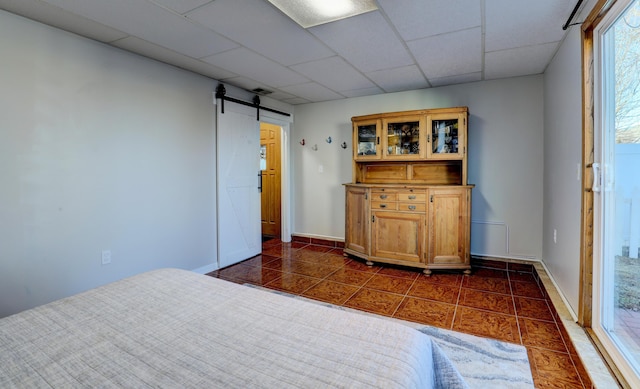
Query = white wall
x=100 y=149
x=562 y=155
x=505 y=160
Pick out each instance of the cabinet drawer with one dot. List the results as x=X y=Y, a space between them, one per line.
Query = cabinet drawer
x=391 y=205
x=410 y=196
x=384 y=196
x=415 y=207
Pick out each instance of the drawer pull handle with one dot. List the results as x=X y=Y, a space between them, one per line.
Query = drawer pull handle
x=412 y=197
x=383 y=196
x=412 y=207
x=383 y=205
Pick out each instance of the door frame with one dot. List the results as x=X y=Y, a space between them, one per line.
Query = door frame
x=590 y=269
x=285 y=169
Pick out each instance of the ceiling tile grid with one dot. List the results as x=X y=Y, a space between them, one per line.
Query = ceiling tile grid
x=404 y=45
x=416 y=19
x=366 y=41
x=449 y=54
x=399 y=79
x=260 y=27
x=334 y=73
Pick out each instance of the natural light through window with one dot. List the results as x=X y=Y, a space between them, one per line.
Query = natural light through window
x=618 y=192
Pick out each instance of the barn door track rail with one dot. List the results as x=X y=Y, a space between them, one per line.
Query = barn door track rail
x=221 y=94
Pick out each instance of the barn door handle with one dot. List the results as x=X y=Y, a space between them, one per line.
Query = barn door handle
x=260 y=181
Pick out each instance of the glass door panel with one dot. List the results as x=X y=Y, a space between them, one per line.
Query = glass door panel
x=404 y=138
x=445 y=138
x=617 y=192
x=367 y=140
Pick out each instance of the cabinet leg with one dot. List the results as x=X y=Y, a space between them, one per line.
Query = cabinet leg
x=467 y=272
x=369 y=263
x=427 y=272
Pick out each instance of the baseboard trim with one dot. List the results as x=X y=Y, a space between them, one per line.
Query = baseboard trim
x=318 y=240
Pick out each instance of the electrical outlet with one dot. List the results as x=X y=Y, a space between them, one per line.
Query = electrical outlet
x=106 y=257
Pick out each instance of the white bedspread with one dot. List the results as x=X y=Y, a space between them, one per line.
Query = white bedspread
x=177 y=329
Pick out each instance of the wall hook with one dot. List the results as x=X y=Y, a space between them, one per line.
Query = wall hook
x=329 y=140
x=344 y=145
x=315 y=148
x=302 y=142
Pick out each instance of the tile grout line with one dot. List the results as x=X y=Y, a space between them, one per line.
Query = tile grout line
x=457 y=305
x=404 y=297
x=455 y=309
x=515 y=312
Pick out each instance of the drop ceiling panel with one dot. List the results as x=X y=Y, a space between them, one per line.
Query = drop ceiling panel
x=404 y=45
x=281 y=96
x=181 y=6
x=362 y=92
x=449 y=54
x=159 y=53
x=152 y=23
x=246 y=21
x=399 y=79
x=333 y=73
x=312 y=92
x=296 y=100
x=416 y=19
x=246 y=63
x=515 y=24
x=459 y=79
x=518 y=62
x=367 y=41
x=64 y=20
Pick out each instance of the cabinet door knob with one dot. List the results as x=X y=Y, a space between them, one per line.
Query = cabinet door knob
x=412 y=207
x=383 y=205
x=412 y=197
x=383 y=196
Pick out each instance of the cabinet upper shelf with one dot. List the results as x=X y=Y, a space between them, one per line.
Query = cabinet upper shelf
x=432 y=136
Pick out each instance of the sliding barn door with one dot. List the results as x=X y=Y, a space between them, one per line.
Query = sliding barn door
x=238 y=149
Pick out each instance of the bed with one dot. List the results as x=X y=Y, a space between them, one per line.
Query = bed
x=173 y=328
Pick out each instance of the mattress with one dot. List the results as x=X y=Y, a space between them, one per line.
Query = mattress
x=173 y=328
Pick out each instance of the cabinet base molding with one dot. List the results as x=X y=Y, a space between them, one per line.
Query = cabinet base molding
x=426 y=268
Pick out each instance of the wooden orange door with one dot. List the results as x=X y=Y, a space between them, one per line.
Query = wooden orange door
x=270 y=171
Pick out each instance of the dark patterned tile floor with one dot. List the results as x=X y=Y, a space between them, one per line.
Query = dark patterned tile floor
x=498 y=300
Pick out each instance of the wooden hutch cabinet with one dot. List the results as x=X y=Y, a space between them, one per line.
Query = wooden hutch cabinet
x=409 y=202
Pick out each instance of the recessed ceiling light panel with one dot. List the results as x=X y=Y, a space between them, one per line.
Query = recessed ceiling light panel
x=309 y=13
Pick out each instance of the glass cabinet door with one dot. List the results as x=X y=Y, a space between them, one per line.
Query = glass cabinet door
x=404 y=138
x=446 y=136
x=366 y=140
